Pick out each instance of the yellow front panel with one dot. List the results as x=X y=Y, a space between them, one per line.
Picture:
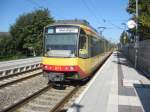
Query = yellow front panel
x=86 y=65
x=59 y=61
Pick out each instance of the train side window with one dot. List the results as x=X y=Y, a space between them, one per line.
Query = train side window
x=94 y=46
x=83 y=46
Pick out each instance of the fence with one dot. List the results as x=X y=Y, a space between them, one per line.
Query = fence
x=143 y=60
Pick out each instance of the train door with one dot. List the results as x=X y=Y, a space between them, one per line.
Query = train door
x=83 y=46
x=84 y=55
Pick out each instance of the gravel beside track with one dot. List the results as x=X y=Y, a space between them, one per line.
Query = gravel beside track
x=17 y=78
x=14 y=93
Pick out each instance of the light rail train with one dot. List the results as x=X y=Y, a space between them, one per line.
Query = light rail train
x=72 y=50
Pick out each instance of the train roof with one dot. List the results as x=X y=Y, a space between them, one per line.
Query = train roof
x=75 y=22
x=81 y=23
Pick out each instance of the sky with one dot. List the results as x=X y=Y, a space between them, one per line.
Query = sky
x=110 y=14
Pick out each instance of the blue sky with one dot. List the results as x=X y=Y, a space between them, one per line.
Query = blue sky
x=99 y=13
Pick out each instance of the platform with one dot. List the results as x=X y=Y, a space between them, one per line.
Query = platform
x=116 y=87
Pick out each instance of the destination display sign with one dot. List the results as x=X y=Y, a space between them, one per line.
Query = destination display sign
x=66 y=30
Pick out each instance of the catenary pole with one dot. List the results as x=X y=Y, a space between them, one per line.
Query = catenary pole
x=137 y=36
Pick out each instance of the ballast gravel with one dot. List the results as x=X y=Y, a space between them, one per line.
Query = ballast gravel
x=14 y=93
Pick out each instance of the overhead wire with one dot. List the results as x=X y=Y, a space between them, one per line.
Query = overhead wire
x=92 y=3
x=35 y=4
x=89 y=8
x=95 y=8
x=100 y=15
x=90 y=11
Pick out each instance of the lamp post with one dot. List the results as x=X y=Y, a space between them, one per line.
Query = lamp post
x=101 y=31
x=137 y=36
x=103 y=28
x=132 y=24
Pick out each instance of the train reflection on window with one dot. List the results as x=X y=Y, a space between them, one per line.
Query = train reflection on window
x=61 y=45
x=83 y=46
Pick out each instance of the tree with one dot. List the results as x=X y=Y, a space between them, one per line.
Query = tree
x=144 y=17
x=6 y=45
x=124 y=38
x=27 y=32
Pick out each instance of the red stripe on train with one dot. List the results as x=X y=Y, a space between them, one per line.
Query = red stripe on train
x=58 y=68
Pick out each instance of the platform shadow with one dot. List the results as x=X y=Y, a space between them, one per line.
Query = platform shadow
x=76 y=108
x=123 y=60
x=143 y=92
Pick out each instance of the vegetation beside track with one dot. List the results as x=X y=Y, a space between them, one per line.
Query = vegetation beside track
x=25 y=36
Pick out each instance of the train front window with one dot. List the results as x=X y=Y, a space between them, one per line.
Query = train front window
x=61 y=45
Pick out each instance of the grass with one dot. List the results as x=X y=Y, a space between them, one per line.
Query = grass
x=12 y=57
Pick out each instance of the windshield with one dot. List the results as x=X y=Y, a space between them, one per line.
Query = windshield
x=61 y=45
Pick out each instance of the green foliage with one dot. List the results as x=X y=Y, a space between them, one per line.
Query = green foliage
x=124 y=38
x=15 y=56
x=28 y=30
x=144 y=16
x=6 y=45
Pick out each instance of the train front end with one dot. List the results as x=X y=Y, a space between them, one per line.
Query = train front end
x=60 y=61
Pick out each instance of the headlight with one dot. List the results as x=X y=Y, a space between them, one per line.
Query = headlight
x=71 y=68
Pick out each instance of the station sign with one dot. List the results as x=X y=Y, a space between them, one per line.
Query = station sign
x=66 y=30
x=131 y=24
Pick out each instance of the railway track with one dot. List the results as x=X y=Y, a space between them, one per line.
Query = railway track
x=18 y=78
x=18 y=103
x=16 y=90
x=46 y=99
x=10 y=82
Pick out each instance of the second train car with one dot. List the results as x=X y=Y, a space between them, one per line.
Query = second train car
x=72 y=50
